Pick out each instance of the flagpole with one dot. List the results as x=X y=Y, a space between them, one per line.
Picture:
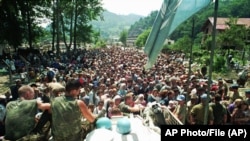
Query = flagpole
x=191 y=51
x=211 y=61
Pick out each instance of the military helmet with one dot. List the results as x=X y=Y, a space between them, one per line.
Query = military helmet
x=123 y=126
x=104 y=122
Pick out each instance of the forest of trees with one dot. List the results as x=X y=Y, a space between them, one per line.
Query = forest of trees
x=227 y=8
x=20 y=21
x=235 y=36
x=71 y=22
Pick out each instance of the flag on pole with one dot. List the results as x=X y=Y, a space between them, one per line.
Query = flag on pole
x=170 y=16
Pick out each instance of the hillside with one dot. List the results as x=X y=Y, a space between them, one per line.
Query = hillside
x=111 y=25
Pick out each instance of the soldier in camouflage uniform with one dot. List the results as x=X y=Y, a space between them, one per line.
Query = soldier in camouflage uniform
x=20 y=115
x=67 y=113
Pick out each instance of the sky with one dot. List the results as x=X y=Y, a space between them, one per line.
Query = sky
x=125 y=7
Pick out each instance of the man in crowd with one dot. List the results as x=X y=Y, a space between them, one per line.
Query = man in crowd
x=234 y=93
x=198 y=112
x=14 y=89
x=127 y=106
x=247 y=94
x=219 y=111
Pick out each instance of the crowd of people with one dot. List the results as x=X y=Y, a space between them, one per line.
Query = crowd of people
x=113 y=82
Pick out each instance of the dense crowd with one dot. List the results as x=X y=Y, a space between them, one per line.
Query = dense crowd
x=111 y=82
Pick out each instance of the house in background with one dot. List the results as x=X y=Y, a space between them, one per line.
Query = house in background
x=131 y=40
x=222 y=25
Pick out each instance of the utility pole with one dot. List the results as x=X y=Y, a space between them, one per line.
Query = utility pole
x=191 y=51
x=211 y=61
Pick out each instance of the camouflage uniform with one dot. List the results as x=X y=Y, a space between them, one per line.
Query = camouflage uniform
x=66 y=119
x=20 y=118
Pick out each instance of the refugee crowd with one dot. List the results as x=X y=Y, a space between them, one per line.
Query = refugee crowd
x=89 y=84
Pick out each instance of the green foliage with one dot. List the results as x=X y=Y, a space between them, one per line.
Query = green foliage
x=95 y=36
x=100 y=44
x=219 y=63
x=142 y=38
x=19 y=20
x=233 y=36
x=73 y=20
x=111 y=25
x=226 y=8
x=183 y=44
x=123 y=37
x=142 y=24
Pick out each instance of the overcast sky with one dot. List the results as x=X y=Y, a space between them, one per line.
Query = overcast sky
x=125 y=7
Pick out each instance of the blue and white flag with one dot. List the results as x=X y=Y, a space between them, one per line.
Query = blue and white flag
x=170 y=16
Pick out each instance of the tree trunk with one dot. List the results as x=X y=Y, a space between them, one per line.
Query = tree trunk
x=29 y=26
x=54 y=26
x=58 y=28
x=75 y=25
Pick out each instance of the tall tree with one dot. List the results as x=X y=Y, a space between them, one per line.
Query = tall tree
x=233 y=37
x=75 y=18
x=123 y=37
x=142 y=38
x=19 y=22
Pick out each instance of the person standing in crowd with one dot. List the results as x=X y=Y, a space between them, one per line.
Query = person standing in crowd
x=181 y=109
x=20 y=114
x=204 y=70
x=222 y=88
x=241 y=114
x=247 y=95
x=117 y=100
x=234 y=93
x=140 y=100
x=219 y=111
x=198 y=112
x=127 y=106
x=122 y=90
x=93 y=97
x=14 y=89
x=190 y=104
x=100 y=109
x=67 y=113
x=154 y=96
x=2 y=114
x=12 y=66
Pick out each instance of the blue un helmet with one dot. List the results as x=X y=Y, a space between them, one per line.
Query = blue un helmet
x=104 y=122
x=123 y=126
